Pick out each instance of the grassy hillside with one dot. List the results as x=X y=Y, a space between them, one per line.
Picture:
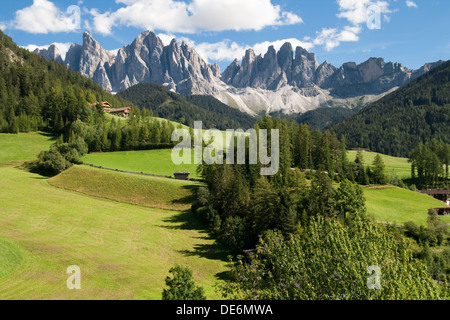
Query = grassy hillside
x=146 y=191
x=16 y=148
x=124 y=251
x=157 y=162
x=11 y=258
x=399 y=166
x=396 y=205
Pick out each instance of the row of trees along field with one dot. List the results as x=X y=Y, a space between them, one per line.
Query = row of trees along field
x=307 y=233
x=98 y=133
x=430 y=164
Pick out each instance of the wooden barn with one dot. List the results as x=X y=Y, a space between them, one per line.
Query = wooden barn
x=122 y=112
x=442 y=195
x=104 y=104
x=182 y=175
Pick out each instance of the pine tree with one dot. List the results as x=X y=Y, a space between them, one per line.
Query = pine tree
x=379 y=168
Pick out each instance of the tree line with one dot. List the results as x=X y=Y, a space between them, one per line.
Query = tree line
x=170 y=105
x=97 y=133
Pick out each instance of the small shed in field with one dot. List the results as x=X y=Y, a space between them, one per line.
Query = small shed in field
x=182 y=175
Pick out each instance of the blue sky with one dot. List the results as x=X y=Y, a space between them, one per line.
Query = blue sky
x=411 y=32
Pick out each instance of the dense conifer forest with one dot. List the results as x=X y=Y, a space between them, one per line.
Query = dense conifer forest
x=169 y=105
x=399 y=122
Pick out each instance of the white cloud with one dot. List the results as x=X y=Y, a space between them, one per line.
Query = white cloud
x=114 y=51
x=225 y=50
x=411 y=4
x=166 y=38
x=357 y=13
x=261 y=48
x=63 y=48
x=331 y=38
x=43 y=17
x=196 y=16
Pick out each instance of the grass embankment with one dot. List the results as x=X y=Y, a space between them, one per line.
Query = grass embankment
x=396 y=205
x=124 y=251
x=153 y=192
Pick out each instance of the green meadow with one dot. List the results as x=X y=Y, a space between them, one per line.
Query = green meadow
x=124 y=251
x=397 y=206
x=17 y=148
x=124 y=231
x=158 y=162
x=147 y=191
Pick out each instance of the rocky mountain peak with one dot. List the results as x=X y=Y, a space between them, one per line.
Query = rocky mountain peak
x=52 y=53
x=275 y=81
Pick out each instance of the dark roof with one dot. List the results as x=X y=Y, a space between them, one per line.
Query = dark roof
x=120 y=110
x=435 y=192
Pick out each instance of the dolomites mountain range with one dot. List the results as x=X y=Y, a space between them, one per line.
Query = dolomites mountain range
x=275 y=82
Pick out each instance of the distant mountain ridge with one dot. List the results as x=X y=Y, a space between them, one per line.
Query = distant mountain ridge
x=170 y=105
x=398 y=123
x=276 y=82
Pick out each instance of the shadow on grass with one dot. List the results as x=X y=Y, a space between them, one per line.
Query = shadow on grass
x=186 y=220
x=190 y=198
x=224 y=276
x=189 y=221
x=48 y=135
x=208 y=251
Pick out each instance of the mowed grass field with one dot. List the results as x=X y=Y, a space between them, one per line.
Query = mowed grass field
x=397 y=205
x=17 y=148
x=124 y=251
x=400 y=166
x=157 y=162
